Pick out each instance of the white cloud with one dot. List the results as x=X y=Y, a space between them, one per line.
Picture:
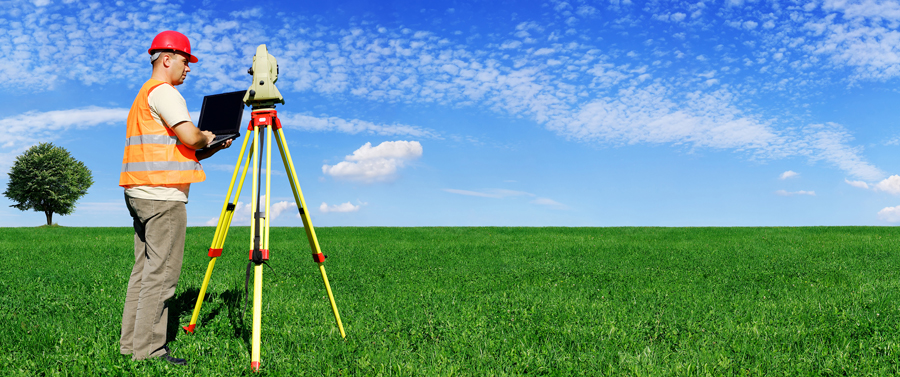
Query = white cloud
x=212 y=222
x=510 y=45
x=792 y=193
x=366 y=171
x=875 y=9
x=830 y=142
x=547 y=202
x=859 y=184
x=277 y=208
x=890 y=214
x=576 y=100
x=647 y=115
x=586 y=11
x=248 y=13
x=504 y=193
x=34 y=126
x=490 y=193
x=373 y=164
x=471 y=193
x=788 y=174
x=404 y=150
x=539 y=93
x=890 y=185
x=352 y=126
x=343 y=207
x=104 y=207
x=650 y=114
x=865 y=39
x=508 y=193
x=19 y=132
x=642 y=112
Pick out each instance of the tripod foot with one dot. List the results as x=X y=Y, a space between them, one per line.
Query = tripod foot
x=254 y=365
x=189 y=329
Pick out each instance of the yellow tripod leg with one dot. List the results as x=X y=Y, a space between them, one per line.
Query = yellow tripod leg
x=222 y=226
x=337 y=317
x=257 y=316
x=257 y=270
x=209 y=268
x=265 y=234
x=307 y=223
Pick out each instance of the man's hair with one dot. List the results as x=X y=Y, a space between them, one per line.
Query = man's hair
x=156 y=54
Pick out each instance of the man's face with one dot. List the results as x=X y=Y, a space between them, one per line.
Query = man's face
x=179 y=68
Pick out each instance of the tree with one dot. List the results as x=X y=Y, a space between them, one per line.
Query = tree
x=46 y=178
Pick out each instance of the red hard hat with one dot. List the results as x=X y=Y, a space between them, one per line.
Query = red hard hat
x=172 y=40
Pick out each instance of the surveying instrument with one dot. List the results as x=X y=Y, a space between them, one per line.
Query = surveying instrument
x=261 y=97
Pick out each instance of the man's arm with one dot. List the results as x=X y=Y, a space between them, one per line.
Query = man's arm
x=207 y=153
x=191 y=136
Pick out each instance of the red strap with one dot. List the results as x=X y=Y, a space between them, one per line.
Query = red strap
x=213 y=253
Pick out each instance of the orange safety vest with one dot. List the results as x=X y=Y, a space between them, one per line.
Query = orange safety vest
x=153 y=154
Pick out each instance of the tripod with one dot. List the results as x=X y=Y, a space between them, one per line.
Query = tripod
x=263 y=117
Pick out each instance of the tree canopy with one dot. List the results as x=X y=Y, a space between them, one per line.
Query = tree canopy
x=46 y=178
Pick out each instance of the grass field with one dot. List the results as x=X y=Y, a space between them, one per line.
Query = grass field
x=476 y=301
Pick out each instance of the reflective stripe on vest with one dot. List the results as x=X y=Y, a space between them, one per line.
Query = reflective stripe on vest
x=153 y=154
x=160 y=165
x=152 y=139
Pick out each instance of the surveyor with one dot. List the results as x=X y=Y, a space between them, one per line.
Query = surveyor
x=160 y=163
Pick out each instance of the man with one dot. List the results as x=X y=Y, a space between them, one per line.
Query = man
x=160 y=163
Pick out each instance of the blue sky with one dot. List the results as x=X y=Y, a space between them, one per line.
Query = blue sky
x=455 y=113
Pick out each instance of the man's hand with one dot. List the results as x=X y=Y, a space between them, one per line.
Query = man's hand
x=206 y=153
x=209 y=136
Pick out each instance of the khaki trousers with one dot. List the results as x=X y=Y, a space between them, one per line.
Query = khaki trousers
x=159 y=229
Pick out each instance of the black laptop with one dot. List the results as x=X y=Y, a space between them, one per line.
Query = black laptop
x=221 y=114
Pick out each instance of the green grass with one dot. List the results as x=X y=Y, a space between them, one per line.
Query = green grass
x=476 y=301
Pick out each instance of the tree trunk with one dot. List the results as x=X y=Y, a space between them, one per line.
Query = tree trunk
x=49 y=217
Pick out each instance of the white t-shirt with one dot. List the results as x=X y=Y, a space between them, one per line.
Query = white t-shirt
x=167 y=107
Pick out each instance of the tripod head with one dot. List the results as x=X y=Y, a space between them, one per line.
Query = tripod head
x=262 y=92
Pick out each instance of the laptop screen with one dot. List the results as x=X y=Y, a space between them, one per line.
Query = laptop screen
x=221 y=113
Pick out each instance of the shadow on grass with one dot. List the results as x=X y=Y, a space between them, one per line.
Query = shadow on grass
x=181 y=303
x=232 y=300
